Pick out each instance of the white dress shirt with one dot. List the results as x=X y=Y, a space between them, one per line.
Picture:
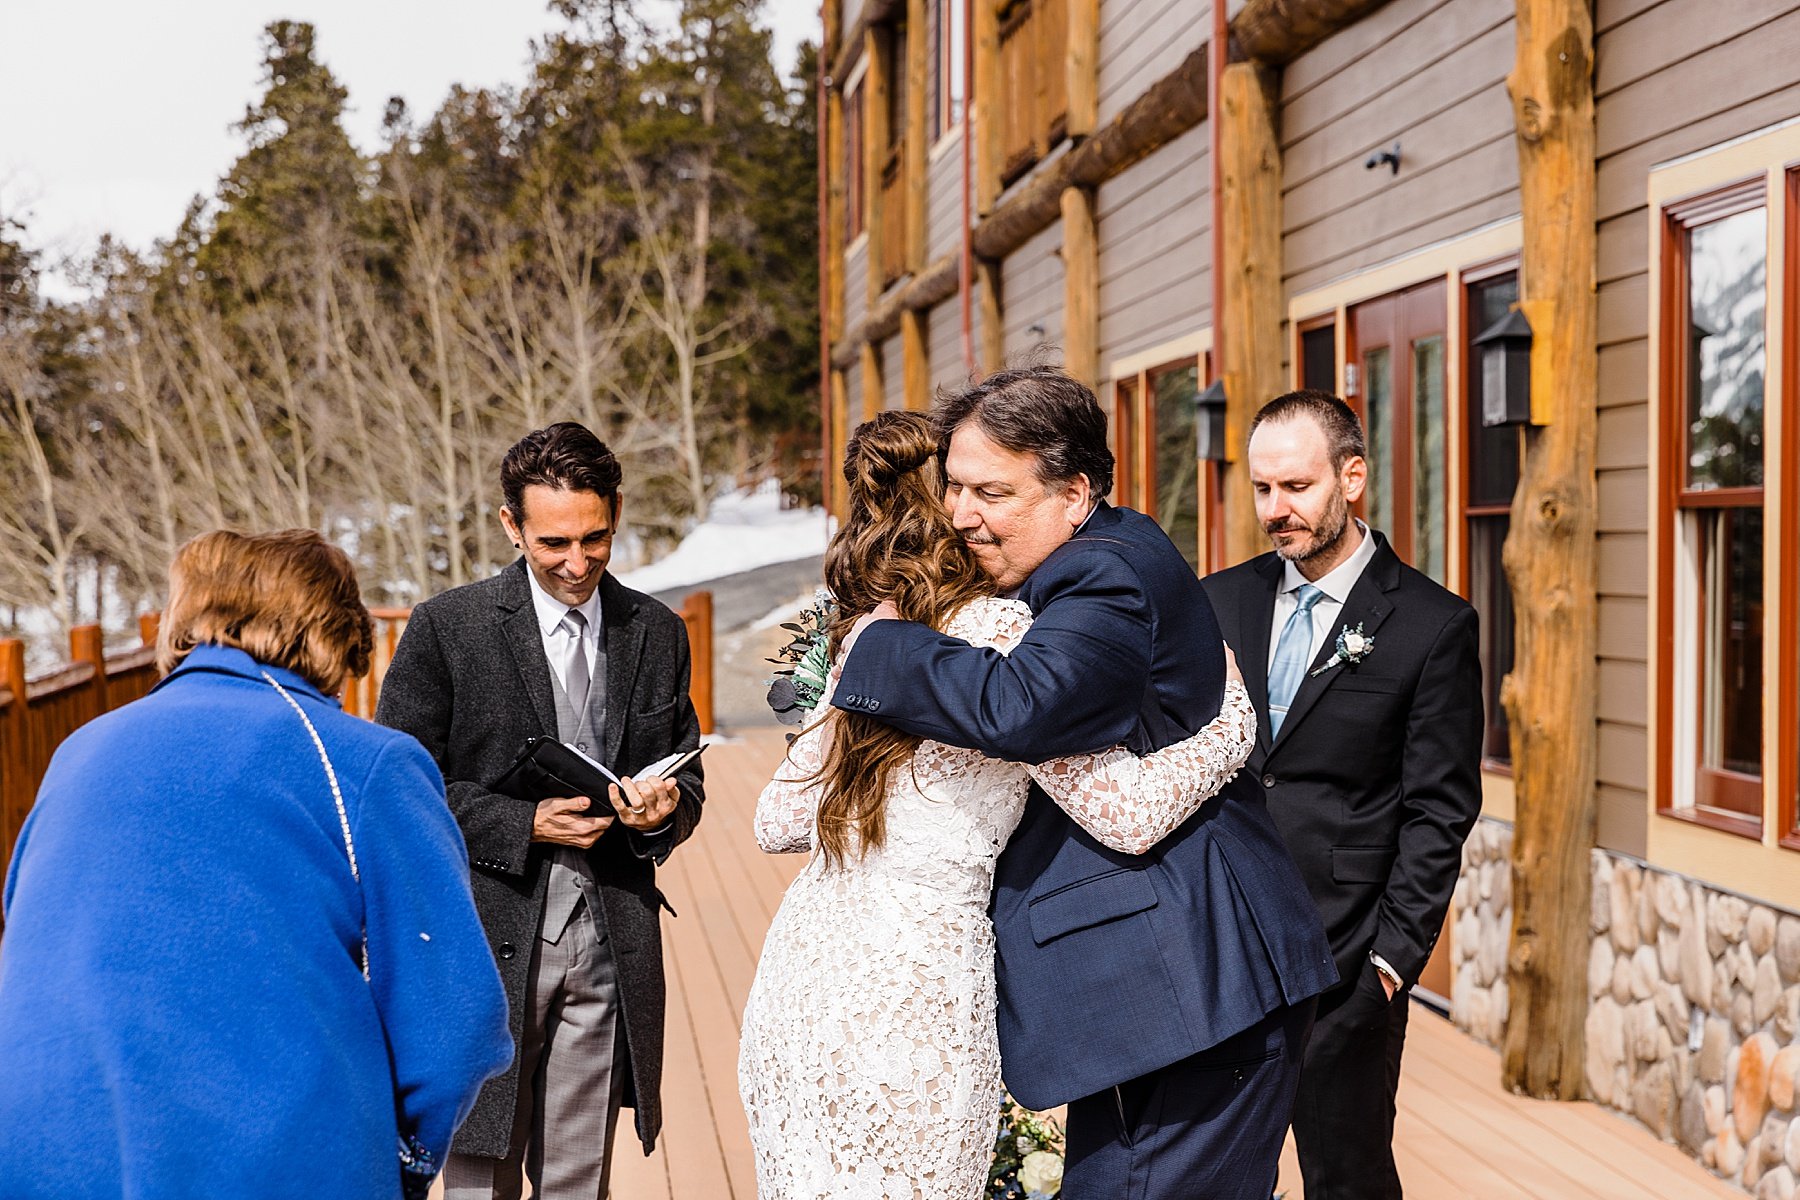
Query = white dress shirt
x=1335 y=584
x=559 y=642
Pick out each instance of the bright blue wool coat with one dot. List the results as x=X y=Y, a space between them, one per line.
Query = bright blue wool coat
x=182 y=1013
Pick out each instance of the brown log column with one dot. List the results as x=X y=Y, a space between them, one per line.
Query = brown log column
x=834 y=210
x=874 y=387
x=1550 y=556
x=918 y=63
x=835 y=496
x=1081 y=286
x=985 y=106
x=877 y=138
x=991 y=305
x=915 y=363
x=1082 y=64
x=1249 y=210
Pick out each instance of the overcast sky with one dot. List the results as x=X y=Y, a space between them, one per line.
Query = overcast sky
x=114 y=113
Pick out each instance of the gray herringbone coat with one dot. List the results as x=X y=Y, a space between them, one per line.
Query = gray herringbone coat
x=470 y=680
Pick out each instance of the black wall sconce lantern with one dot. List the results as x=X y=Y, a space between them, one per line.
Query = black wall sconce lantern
x=1506 y=371
x=1209 y=422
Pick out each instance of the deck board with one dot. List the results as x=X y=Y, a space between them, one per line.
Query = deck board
x=1457 y=1133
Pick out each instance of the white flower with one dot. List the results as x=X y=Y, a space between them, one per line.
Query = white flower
x=1355 y=644
x=1041 y=1173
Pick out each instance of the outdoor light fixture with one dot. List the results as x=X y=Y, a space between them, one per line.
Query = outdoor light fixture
x=1209 y=422
x=1506 y=371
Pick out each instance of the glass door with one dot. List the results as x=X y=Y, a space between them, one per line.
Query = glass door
x=1397 y=387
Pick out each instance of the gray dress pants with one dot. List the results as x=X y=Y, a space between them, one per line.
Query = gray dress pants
x=572 y=1065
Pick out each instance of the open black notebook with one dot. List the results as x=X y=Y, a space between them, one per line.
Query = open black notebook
x=547 y=768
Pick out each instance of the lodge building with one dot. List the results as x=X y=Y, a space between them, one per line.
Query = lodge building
x=1007 y=176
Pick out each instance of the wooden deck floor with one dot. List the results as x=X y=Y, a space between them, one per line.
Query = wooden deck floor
x=1459 y=1134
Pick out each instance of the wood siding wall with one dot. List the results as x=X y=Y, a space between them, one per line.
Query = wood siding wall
x=944 y=342
x=1427 y=73
x=1154 y=223
x=1671 y=79
x=1031 y=282
x=893 y=374
x=1141 y=41
x=856 y=288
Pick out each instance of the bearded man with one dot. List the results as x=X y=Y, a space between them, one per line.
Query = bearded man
x=1367 y=682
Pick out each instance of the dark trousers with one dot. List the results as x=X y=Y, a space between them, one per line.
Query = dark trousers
x=1209 y=1127
x=1344 y=1119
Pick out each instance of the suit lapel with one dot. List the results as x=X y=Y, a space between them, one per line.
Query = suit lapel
x=1367 y=605
x=1257 y=614
x=624 y=651
x=519 y=619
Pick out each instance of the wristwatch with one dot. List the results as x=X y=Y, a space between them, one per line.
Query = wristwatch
x=1387 y=971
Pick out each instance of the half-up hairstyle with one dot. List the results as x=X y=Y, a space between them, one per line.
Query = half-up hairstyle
x=896 y=543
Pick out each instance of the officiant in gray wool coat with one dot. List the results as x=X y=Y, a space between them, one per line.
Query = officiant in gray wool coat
x=554 y=646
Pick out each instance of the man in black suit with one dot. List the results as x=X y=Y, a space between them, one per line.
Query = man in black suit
x=1366 y=678
x=554 y=646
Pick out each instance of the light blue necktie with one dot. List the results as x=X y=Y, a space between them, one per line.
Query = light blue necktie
x=1291 y=655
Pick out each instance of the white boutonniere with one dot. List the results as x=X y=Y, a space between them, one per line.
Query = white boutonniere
x=1353 y=645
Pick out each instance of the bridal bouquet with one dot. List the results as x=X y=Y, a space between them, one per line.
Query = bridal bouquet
x=801 y=666
x=1028 y=1156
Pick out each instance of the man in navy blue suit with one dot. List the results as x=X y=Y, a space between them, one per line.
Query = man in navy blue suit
x=1165 y=997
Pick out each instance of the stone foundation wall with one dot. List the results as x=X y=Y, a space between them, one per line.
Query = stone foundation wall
x=1694 y=1006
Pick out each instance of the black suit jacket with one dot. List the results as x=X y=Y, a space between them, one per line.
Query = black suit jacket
x=1375 y=779
x=470 y=680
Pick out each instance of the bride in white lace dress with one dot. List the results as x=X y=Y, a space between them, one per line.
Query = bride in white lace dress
x=869 y=1064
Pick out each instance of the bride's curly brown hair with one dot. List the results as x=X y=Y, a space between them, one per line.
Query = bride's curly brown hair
x=896 y=543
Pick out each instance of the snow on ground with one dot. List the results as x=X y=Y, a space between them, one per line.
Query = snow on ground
x=743 y=530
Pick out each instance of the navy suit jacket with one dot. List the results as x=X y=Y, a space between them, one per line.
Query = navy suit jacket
x=1110 y=965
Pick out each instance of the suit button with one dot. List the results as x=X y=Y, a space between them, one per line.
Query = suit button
x=1268 y=781
x=506 y=950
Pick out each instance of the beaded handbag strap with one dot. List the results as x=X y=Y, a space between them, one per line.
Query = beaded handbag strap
x=337 y=797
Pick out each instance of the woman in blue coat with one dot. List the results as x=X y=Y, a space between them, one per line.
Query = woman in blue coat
x=183 y=1003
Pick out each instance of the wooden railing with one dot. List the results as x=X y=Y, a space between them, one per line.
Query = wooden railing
x=893 y=216
x=362 y=693
x=37 y=714
x=1034 y=84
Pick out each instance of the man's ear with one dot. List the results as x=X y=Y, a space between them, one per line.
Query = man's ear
x=513 y=533
x=1354 y=477
x=1078 y=500
x=618 y=507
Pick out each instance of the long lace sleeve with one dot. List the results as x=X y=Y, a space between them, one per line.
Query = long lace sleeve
x=1131 y=803
x=789 y=804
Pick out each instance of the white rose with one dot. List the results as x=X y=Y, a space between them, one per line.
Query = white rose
x=1355 y=644
x=1041 y=1173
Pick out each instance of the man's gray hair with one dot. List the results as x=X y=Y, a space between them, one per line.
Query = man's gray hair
x=1036 y=410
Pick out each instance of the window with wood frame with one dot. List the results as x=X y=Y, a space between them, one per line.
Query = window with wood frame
x=1317 y=354
x=951 y=29
x=855 y=202
x=1713 y=361
x=1155 y=449
x=1033 y=101
x=1490 y=476
x=890 y=47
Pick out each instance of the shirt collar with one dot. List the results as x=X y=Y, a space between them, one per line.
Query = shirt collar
x=1337 y=582
x=551 y=611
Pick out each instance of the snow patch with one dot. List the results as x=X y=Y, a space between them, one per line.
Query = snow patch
x=742 y=531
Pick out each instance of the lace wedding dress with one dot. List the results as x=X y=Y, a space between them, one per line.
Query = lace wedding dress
x=869 y=1065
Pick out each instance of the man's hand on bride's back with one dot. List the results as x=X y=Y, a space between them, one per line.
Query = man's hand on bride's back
x=885 y=611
